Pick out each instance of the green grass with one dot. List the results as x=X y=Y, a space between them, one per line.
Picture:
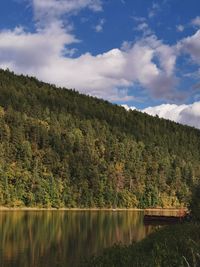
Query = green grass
x=171 y=246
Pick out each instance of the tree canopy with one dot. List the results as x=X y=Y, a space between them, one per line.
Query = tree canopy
x=59 y=148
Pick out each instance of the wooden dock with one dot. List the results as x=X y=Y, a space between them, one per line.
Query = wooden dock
x=181 y=216
x=162 y=219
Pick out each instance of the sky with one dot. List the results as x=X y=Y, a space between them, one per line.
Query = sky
x=140 y=54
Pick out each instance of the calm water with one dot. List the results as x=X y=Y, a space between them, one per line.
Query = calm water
x=63 y=238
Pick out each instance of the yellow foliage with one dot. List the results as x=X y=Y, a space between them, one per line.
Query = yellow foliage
x=17 y=203
x=170 y=201
x=119 y=166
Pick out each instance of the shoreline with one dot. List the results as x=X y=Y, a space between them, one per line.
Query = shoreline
x=88 y=209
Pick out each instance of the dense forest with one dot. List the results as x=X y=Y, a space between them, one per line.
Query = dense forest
x=59 y=148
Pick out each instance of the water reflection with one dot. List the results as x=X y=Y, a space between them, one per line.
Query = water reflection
x=62 y=238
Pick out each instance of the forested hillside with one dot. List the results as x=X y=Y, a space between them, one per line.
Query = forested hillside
x=59 y=148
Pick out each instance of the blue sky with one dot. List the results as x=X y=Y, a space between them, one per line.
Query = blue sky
x=138 y=53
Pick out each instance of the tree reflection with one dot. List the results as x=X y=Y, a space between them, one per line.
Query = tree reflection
x=61 y=238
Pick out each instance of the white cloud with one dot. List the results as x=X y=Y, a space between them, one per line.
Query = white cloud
x=153 y=10
x=26 y=52
x=196 y=21
x=139 y=19
x=128 y=108
x=48 y=10
x=185 y=114
x=99 y=26
x=167 y=56
x=109 y=75
x=166 y=111
x=144 y=28
x=41 y=54
x=193 y=75
x=180 y=28
x=191 y=46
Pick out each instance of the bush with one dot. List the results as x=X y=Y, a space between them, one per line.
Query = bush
x=172 y=246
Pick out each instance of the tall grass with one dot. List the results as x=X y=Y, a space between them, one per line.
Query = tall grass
x=171 y=246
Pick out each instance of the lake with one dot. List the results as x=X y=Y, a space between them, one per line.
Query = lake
x=63 y=238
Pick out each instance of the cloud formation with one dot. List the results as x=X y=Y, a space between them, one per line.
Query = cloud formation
x=107 y=75
x=22 y=50
x=99 y=26
x=144 y=28
x=46 y=11
x=185 y=114
x=196 y=21
x=180 y=28
x=191 y=46
x=153 y=10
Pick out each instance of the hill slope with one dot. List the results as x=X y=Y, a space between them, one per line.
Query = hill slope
x=61 y=148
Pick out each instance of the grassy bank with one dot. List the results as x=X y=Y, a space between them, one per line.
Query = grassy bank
x=171 y=246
